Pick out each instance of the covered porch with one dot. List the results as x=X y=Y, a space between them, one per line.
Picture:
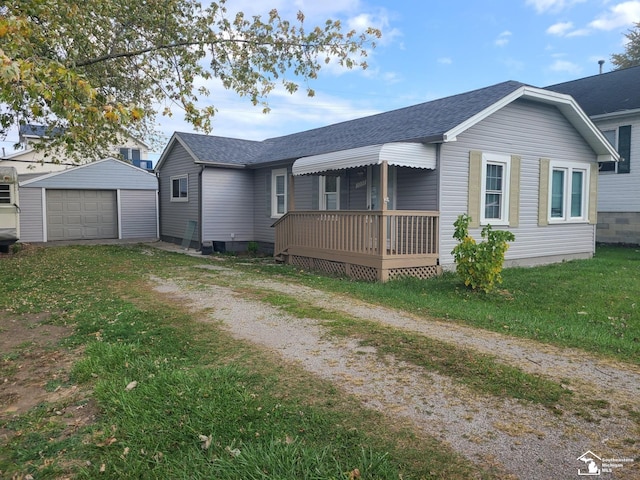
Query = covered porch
x=376 y=242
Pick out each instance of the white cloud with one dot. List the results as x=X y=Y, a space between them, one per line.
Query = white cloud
x=560 y=29
x=503 y=39
x=565 y=66
x=542 y=6
x=445 y=60
x=620 y=15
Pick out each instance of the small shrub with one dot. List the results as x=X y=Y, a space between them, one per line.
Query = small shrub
x=480 y=264
x=252 y=248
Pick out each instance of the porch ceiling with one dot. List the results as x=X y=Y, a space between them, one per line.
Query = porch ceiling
x=414 y=155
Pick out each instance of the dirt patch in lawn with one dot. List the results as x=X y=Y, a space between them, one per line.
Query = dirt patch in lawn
x=34 y=370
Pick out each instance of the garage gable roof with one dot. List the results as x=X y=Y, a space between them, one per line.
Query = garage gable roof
x=106 y=174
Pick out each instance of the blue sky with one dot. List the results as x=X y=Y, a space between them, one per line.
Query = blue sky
x=429 y=49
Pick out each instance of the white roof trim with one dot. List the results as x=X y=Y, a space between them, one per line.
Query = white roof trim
x=565 y=104
x=414 y=155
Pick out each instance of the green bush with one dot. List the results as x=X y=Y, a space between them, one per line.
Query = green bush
x=480 y=264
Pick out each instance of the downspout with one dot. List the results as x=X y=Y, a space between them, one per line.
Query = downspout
x=201 y=231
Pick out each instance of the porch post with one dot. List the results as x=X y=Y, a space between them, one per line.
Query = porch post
x=382 y=241
x=384 y=184
x=291 y=200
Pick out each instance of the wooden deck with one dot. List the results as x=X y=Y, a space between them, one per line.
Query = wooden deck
x=367 y=245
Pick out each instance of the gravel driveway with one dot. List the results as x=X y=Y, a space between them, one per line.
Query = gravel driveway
x=526 y=440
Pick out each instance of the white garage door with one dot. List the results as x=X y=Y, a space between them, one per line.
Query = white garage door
x=81 y=214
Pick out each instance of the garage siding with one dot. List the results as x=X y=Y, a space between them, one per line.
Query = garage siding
x=138 y=214
x=81 y=214
x=31 y=226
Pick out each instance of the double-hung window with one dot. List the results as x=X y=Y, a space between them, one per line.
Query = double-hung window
x=568 y=192
x=329 y=193
x=180 y=188
x=278 y=192
x=494 y=208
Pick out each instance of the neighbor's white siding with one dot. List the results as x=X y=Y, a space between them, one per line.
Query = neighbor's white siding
x=31 y=222
x=227 y=205
x=531 y=131
x=620 y=192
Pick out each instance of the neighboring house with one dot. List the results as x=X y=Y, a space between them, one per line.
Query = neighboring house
x=107 y=199
x=612 y=100
x=376 y=197
x=31 y=160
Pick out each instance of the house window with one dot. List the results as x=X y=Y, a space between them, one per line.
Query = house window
x=568 y=193
x=130 y=154
x=5 y=193
x=495 y=189
x=620 y=138
x=278 y=192
x=180 y=189
x=329 y=193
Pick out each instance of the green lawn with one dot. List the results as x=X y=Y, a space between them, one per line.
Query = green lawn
x=207 y=406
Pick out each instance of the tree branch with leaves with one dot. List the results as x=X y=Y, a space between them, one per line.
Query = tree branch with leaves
x=92 y=70
x=631 y=55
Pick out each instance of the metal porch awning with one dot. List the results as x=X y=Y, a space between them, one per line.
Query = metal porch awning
x=414 y=155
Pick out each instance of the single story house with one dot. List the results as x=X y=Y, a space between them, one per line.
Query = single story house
x=376 y=198
x=612 y=101
x=107 y=199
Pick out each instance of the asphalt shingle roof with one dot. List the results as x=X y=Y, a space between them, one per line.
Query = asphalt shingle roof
x=418 y=123
x=610 y=92
x=213 y=149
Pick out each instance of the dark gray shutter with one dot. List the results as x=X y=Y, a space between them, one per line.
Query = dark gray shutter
x=624 y=149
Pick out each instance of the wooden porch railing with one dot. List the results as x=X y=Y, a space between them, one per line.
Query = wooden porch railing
x=381 y=234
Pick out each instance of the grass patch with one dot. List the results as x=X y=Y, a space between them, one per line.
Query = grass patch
x=202 y=405
x=481 y=372
x=586 y=304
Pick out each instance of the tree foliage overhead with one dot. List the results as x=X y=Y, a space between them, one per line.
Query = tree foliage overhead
x=92 y=69
x=631 y=55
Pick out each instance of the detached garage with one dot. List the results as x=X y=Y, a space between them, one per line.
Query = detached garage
x=107 y=199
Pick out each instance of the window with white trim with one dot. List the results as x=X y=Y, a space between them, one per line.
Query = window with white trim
x=130 y=153
x=180 y=188
x=329 y=193
x=494 y=208
x=278 y=192
x=568 y=192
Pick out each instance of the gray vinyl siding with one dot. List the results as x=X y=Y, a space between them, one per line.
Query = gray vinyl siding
x=416 y=189
x=263 y=230
x=175 y=216
x=357 y=182
x=306 y=192
x=531 y=131
x=227 y=205
x=618 y=192
x=31 y=226
x=138 y=214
